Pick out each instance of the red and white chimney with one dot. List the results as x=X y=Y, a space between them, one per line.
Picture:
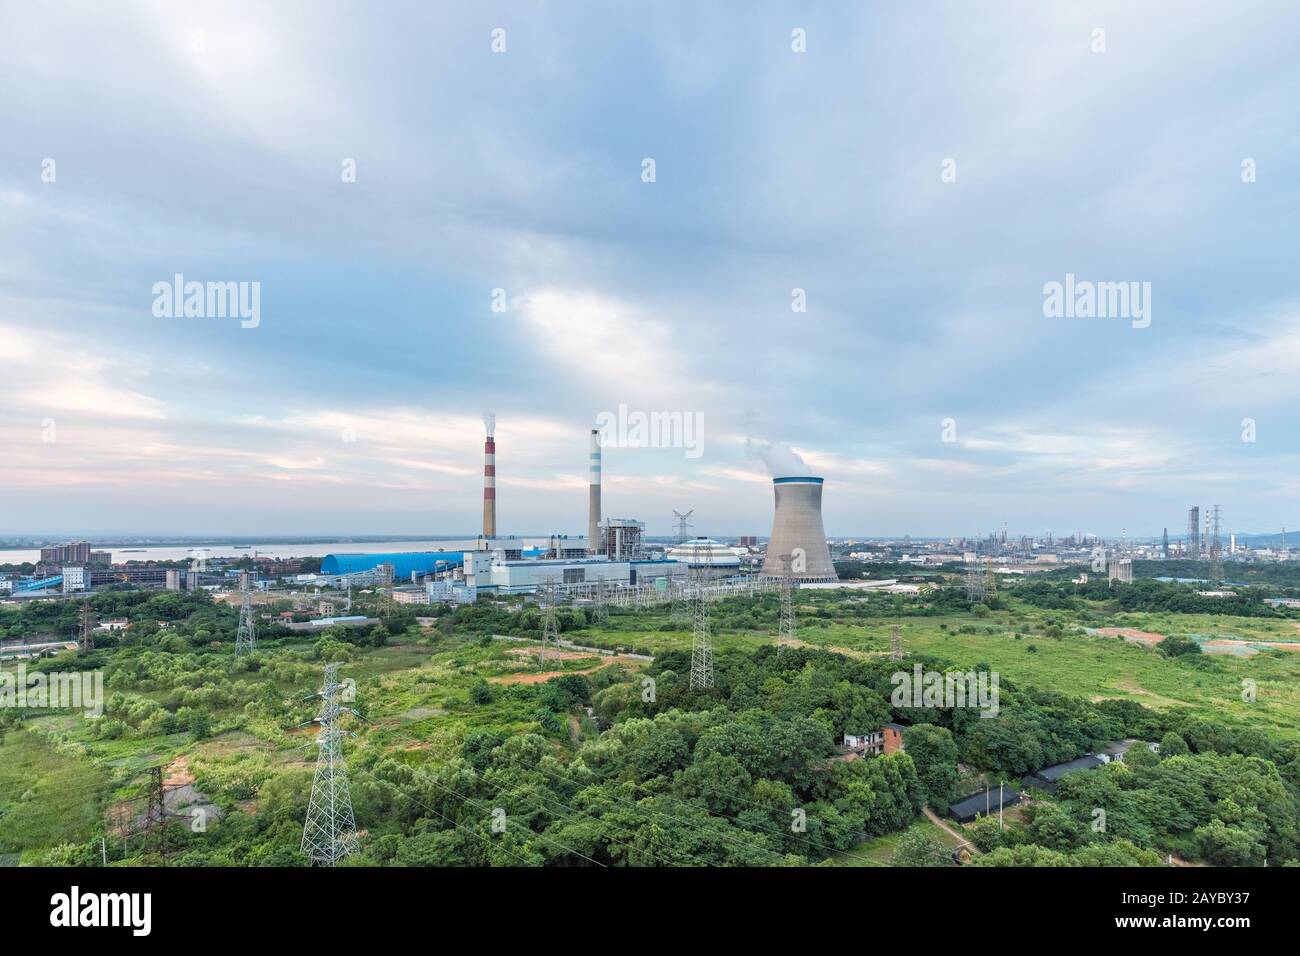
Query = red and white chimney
x=490 y=476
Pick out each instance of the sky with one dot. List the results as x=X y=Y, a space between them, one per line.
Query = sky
x=820 y=233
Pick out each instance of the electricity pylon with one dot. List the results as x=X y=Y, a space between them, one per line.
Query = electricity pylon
x=330 y=832
x=680 y=610
x=155 y=816
x=246 y=638
x=86 y=643
x=702 y=646
x=785 y=633
x=601 y=609
x=896 y=644
x=976 y=583
x=683 y=525
x=550 y=621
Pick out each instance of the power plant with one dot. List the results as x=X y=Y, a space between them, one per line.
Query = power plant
x=797 y=531
x=490 y=476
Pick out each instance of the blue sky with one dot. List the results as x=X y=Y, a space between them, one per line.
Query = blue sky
x=209 y=141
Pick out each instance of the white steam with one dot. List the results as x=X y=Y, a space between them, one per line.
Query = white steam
x=780 y=460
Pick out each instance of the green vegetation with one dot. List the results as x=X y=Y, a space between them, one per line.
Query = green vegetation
x=473 y=753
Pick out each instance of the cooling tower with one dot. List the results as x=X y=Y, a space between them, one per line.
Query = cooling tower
x=593 y=496
x=797 y=530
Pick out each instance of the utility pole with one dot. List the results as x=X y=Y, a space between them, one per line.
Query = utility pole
x=702 y=646
x=246 y=638
x=330 y=831
x=785 y=632
x=86 y=643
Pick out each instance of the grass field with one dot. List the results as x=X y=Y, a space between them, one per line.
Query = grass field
x=880 y=851
x=46 y=798
x=1074 y=663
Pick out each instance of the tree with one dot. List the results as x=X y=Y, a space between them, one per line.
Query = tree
x=985 y=833
x=918 y=847
x=934 y=753
x=1173 y=745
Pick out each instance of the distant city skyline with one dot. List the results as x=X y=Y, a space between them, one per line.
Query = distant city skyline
x=841 y=259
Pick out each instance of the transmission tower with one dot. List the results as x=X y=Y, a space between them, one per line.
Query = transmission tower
x=683 y=525
x=330 y=832
x=976 y=583
x=702 y=647
x=785 y=634
x=550 y=621
x=246 y=638
x=895 y=644
x=680 y=611
x=600 y=612
x=86 y=643
x=154 y=828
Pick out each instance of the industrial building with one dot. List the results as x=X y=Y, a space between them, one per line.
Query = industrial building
x=706 y=553
x=517 y=577
x=798 y=531
x=621 y=539
x=404 y=563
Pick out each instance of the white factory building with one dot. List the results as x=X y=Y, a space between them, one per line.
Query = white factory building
x=706 y=553
x=498 y=574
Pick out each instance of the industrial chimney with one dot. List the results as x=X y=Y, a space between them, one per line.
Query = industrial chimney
x=593 y=497
x=797 y=531
x=490 y=476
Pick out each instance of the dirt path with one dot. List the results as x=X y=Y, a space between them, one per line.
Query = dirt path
x=938 y=821
x=836 y=649
x=541 y=677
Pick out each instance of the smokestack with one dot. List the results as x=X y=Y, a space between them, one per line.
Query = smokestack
x=490 y=476
x=593 y=497
x=797 y=531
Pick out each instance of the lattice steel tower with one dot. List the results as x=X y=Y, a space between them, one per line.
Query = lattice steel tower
x=977 y=583
x=702 y=647
x=895 y=644
x=246 y=639
x=785 y=633
x=683 y=525
x=330 y=832
x=86 y=641
x=680 y=610
x=550 y=621
x=600 y=612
